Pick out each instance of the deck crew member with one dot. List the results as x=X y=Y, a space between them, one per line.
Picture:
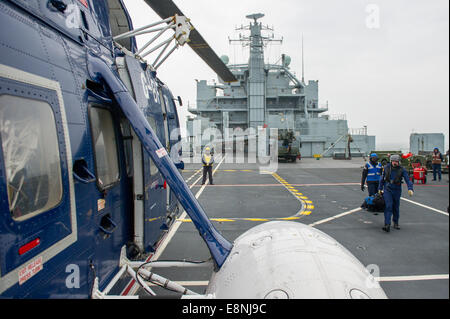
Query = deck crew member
x=436 y=163
x=208 y=161
x=372 y=173
x=391 y=187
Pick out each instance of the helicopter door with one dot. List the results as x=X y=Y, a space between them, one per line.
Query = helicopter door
x=154 y=198
x=163 y=100
x=114 y=188
x=37 y=203
x=150 y=194
x=173 y=139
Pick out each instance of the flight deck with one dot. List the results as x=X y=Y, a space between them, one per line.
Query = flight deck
x=412 y=262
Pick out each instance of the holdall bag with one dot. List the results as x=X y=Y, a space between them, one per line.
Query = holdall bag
x=374 y=203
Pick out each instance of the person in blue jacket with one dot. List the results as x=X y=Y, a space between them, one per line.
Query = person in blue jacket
x=391 y=187
x=371 y=173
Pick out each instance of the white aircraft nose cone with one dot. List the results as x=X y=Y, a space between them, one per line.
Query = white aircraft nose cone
x=290 y=260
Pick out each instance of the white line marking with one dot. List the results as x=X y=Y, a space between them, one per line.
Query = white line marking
x=178 y=222
x=174 y=227
x=335 y=217
x=192 y=176
x=412 y=278
x=425 y=206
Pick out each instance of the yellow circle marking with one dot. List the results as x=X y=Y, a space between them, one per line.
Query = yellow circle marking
x=308 y=204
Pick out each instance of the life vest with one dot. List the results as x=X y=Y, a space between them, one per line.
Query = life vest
x=436 y=158
x=207 y=160
x=393 y=175
x=373 y=172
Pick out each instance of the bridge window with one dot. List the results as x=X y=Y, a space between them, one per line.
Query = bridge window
x=31 y=156
x=104 y=140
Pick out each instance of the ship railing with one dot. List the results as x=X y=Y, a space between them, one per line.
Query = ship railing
x=358 y=131
x=335 y=117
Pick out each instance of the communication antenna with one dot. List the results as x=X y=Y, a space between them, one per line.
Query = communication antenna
x=303 y=63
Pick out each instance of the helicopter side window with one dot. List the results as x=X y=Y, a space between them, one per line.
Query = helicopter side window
x=152 y=122
x=104 y=140
x=31 y=156
x=128 y=145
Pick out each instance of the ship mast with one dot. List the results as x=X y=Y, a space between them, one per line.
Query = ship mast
x=256 y=82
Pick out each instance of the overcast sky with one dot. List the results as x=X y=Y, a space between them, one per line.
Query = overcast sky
x=384 y=64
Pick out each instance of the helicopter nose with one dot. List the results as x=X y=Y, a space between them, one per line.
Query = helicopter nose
x=290 y=260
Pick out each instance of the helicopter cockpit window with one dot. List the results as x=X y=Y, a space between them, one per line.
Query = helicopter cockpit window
x=31 y=156
x=104 y=140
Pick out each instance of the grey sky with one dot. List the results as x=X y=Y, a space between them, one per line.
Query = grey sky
x=394 y=78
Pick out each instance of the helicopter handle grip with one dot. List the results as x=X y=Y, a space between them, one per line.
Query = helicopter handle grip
x=110 y=223
x=80 y=167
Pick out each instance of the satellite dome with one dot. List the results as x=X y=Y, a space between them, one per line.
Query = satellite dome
x=225 y=59
x=287 y=60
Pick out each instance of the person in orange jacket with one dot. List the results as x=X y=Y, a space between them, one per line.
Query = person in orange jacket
x=436 y=163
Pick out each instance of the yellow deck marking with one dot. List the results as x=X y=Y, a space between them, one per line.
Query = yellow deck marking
x=290 y=218
x=306 y=204
x=222 y=220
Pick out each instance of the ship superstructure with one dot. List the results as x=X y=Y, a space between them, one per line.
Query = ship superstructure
x=271 y=96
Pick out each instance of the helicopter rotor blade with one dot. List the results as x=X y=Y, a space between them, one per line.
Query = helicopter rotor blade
x=167 y=8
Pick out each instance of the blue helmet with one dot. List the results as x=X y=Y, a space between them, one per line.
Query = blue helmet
x=374 y=155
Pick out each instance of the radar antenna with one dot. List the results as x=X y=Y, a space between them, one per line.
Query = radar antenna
x=255 y=16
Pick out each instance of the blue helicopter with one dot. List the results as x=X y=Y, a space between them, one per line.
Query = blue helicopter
x=89 y=136
x=90 y=167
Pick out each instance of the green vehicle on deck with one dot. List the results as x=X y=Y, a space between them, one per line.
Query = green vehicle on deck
x=288 y=145
x=383 y=156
